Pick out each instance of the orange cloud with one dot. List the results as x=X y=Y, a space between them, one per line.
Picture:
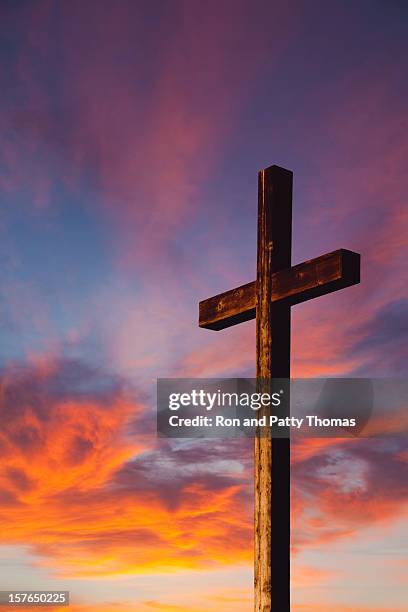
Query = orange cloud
x=306 y=575
x=228 y=603
x=61 y=456
x=76 y=446
x=92 y=501
x=364 y=478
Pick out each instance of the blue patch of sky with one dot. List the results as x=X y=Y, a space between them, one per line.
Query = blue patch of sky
x=62 y=255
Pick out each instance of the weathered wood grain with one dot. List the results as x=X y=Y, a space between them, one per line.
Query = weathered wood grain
x=310 y=279
x=271 y=457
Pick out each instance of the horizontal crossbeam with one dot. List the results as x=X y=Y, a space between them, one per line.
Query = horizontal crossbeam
x=303 y=282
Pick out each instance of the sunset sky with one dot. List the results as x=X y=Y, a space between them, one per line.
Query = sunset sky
x=131 y=134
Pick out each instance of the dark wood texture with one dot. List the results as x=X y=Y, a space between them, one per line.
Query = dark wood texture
x=272 y=456
x=310 y=279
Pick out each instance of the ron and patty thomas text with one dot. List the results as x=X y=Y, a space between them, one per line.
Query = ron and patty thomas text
x=271 y=420
x=255 y=401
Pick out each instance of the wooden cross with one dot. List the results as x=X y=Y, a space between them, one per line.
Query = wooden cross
x=278 y=287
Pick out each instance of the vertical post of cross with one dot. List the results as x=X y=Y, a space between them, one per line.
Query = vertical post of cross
x=272 y=457
x=278 y=287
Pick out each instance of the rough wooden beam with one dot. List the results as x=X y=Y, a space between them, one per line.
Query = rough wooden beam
x=272 y=457
x=305 y=281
